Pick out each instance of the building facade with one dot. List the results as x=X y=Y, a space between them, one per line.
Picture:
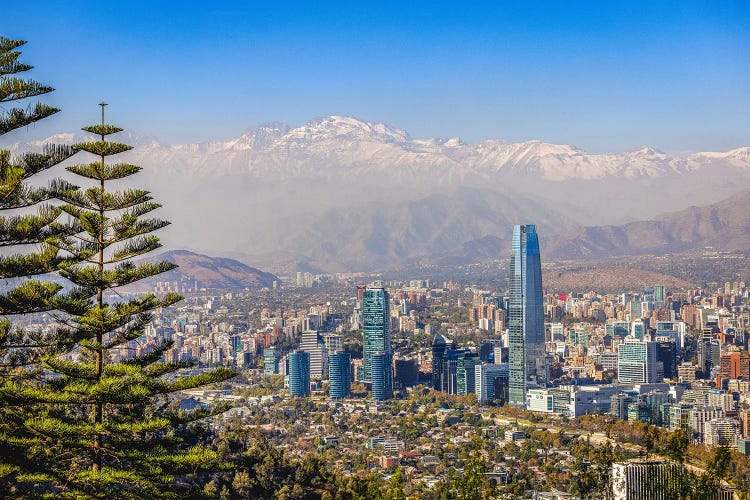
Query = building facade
x=382 y=380
x=313 y=344
x=491 y=382
x=637 y=362
x=376 y=329
x=299 y=373
x=339 y=368
x=526 y=354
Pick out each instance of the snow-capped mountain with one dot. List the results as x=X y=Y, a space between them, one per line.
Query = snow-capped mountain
x=347 y=194
x=338 y=145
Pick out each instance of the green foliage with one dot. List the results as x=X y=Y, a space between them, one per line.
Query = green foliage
x=104 y=428
x=22 y=351
x=677 y=445
x=255 y=468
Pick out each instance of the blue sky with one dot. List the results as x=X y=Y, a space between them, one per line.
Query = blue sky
x=605 y=76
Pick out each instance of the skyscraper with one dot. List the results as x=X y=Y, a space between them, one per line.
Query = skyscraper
x=338 y=374
x=439 y=345
x=526 y=354
x=376 y=318
x=299 y=373
x=382 y=379
x=491 y=382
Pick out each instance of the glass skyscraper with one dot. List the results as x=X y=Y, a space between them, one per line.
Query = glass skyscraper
x=382 y=380
x=339 y=367
x=299 y=373
x=526 y=354
x=376 y=318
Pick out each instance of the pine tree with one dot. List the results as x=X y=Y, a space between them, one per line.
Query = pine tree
x=20 y=350
x=109 y=428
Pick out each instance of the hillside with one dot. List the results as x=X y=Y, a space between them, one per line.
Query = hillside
x=212 y=272
x=723 y=226
x=608 y=279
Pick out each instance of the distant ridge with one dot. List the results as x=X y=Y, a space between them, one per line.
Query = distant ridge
x=213 y=272
x=722 y=226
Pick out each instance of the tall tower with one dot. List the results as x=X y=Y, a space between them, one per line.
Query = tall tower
x=339 y=367
x=299 y=373
x=526 y=353
x=376 y=318
x=439 y=346
x=382 y=378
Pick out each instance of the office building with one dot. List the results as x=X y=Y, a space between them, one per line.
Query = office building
x=440 y=345
x=376 y=329
x=666 y=354
x=270 y=361
x=636 y=362
x=637 y=330
x=709 y=355
x=491 y=382
x=660 y=296
x=406 y=372
x=466 y=373
x=526 y=355
x=333 y=342
x=449 y=374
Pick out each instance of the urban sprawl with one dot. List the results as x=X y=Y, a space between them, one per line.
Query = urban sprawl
x=417 y=377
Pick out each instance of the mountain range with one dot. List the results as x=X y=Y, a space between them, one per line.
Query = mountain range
x=339 y=193
x=722 y=226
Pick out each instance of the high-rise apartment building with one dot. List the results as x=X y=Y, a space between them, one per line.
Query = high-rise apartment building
x=645 y=479
x=526 y=355
x=382 y=380
x=299 y=373
x=339 y=368
x=313 y=344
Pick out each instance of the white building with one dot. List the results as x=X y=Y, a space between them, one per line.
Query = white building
x=702 y=414
x=720 y=431
x=643 y=480
x=313 y=344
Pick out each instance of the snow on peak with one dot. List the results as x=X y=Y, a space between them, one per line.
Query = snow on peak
x=344 y=145
x=645 y=151
x=453 y=142
x=346 y=127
